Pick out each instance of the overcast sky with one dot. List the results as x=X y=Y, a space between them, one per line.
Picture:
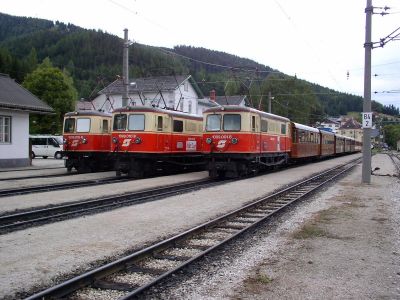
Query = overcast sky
x=316 y=40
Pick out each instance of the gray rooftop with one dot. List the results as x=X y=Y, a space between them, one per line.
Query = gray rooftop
x=231 y=100
x=351 y=124
x=13 y=96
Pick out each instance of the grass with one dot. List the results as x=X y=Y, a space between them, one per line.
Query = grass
x=310 y=231
x=263 y=279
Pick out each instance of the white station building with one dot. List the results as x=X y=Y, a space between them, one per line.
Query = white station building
x=16 y=103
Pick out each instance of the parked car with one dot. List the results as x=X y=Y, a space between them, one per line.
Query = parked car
x=46 y=146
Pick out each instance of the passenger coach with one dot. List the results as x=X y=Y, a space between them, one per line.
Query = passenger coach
x=241 y=140
x=305 y=142
x=147 y=139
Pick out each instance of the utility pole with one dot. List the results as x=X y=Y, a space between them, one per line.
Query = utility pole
x=366 y=159
x=269 y=102
x=125 y=70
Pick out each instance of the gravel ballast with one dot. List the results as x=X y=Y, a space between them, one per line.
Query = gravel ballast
x=343 y=244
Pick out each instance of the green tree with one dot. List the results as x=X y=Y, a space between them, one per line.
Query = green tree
x=392 y=135
x=55 y=88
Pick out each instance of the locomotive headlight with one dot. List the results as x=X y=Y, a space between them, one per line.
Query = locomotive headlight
x=138 y=140
x=208 y=140
x=115 y=140
x=234 y=141
x=84 y=140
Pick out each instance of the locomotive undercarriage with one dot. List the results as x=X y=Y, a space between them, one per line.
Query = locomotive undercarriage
x=88 y=162
x=232 y=166
x=146 y=165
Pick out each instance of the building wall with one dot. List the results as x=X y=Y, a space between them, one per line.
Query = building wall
x=171 y=98
x=356 y=134
x=16 y=153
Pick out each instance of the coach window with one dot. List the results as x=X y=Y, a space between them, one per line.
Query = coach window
x=69 y=125
x=178 y=126
x=302 y=136
x=159 y=123
x=105 y=126
x=295 y=134
x=213 y=123
x=83 y=125
x=232 y=122
x=120 y=122
x=136 y=122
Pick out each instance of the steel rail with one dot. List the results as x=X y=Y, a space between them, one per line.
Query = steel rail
x=229 y=226
x=59 y=186
x=396 y=164
x=40 y=176
x=30 y=169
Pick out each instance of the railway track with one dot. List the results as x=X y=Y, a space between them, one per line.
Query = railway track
x=39 y=216
x=130 y=276
x=59 y=186
x=396 y=161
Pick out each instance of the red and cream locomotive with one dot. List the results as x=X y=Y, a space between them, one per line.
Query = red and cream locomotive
x=87 y=141
x=147 y=139
x=242 y=140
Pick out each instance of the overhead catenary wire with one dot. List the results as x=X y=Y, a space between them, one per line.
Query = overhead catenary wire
x=217 y=65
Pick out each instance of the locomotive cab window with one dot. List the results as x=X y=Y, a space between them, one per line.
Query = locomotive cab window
x=264 y=125
x=232 y=122
x=120 y=122
x=136 y=122
x=159 y=123
x=190 y=126
x=69 y=125
x=178 y=126
x=213 y=123
x=253 y=123
x=283 y=128
x=83 y=125
x=105 y=126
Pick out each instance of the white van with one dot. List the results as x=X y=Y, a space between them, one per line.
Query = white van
x=46 y=146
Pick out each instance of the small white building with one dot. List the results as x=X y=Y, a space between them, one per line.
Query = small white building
x=16 y=103
x=332 y=124
x=180 y=93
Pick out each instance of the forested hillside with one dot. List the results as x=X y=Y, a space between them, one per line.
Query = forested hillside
x=94 y=58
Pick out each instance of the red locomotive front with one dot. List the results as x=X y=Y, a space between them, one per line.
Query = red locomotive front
x=147 y=139
x=87 y=140
x=241 y=140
